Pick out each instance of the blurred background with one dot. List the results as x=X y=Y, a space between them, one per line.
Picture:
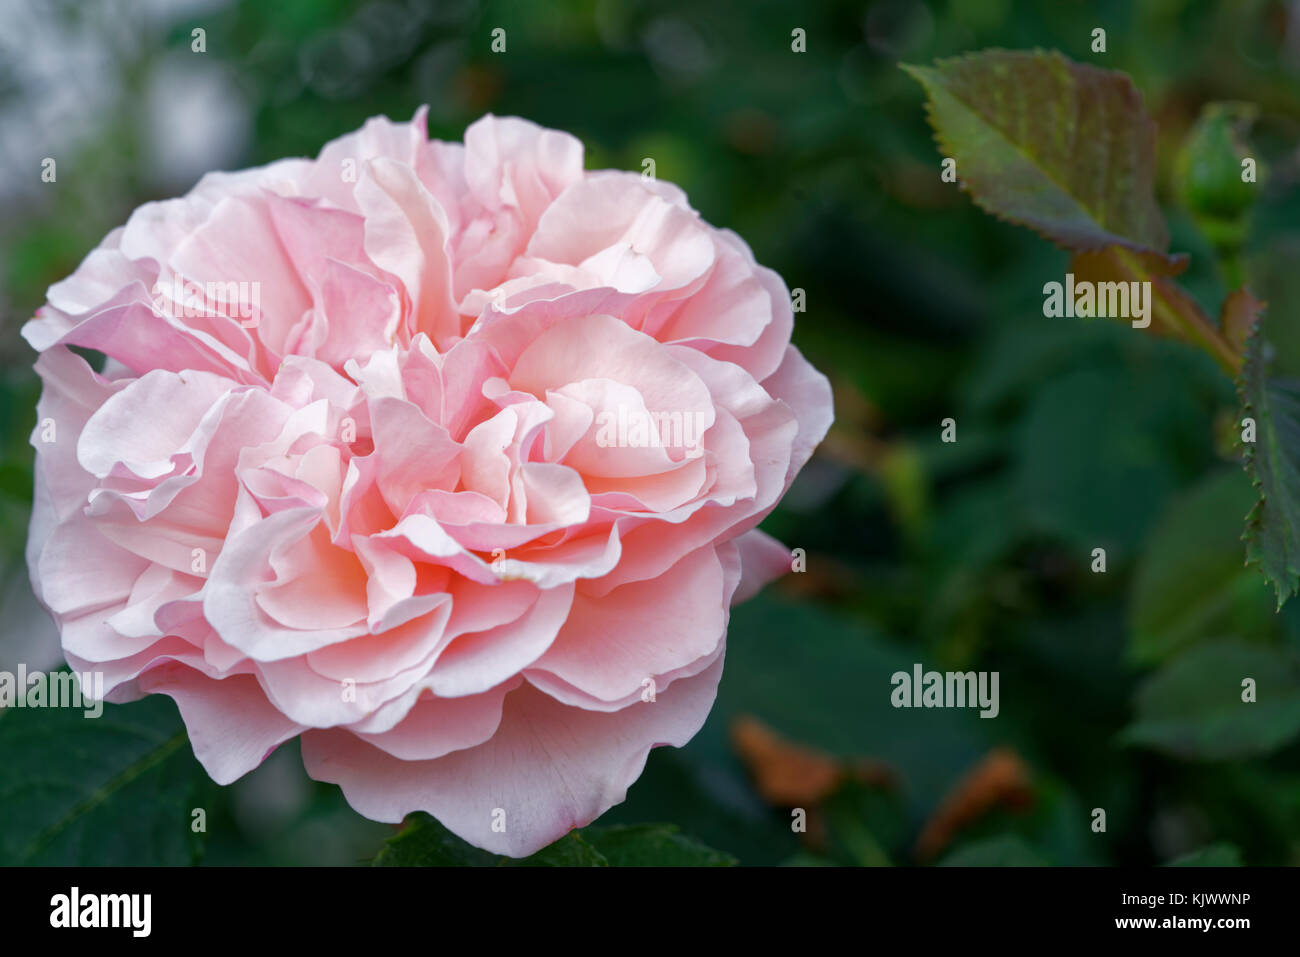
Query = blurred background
x=973 y=555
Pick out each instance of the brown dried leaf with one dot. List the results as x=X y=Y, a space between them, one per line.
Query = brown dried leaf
x=1000 y=778
x=786 y=774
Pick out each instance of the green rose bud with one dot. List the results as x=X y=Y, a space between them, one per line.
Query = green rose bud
x=1215 y=175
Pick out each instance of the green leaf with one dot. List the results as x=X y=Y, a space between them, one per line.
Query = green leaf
x=1091 y=482
x=653 y=845
x=1063 y=148
x=1006 y=850
x=1193 y=708
x=572 y=850
x=1215 y=855
x=824 y=680
x=861 y=823
x=424 y=842
x=1273 y=461
x=1191 y=581
x=116 y=789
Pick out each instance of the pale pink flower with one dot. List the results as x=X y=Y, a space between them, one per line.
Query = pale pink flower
x=445 y=458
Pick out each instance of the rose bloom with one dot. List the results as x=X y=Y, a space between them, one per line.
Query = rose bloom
x=446 y=459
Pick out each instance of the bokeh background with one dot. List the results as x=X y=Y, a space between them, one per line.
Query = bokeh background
x=971 y=555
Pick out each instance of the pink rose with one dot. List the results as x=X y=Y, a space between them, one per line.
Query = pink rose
x=446 y=458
